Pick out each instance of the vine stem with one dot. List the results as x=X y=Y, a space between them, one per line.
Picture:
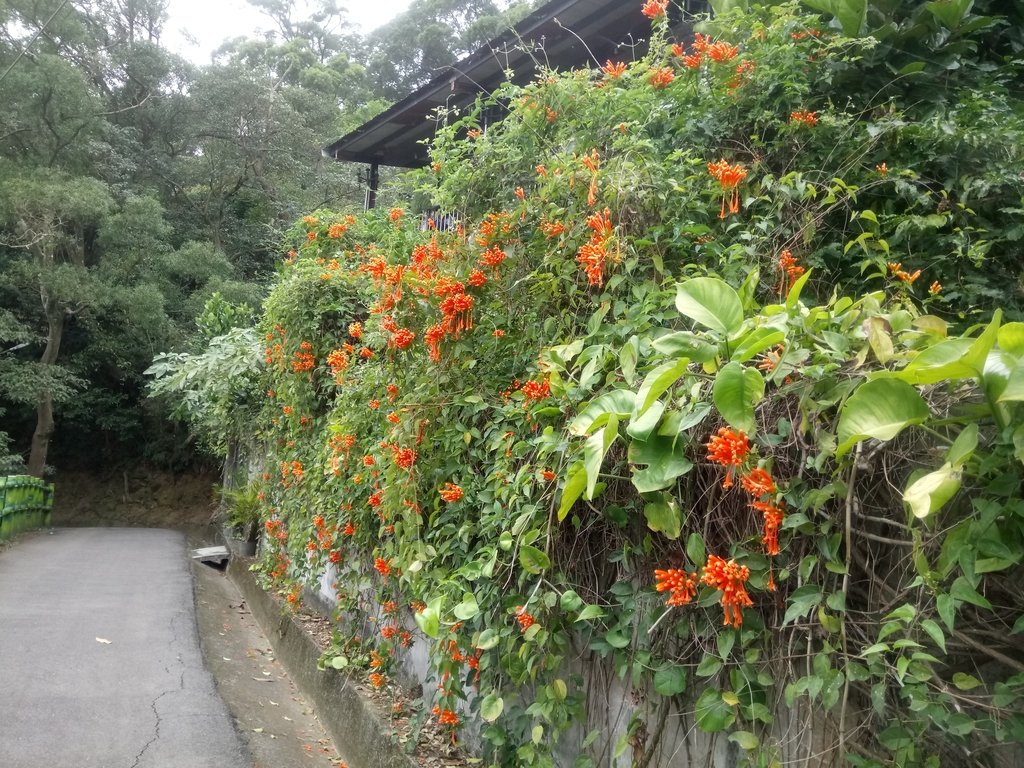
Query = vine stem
x=654 y=626
x=851 y=483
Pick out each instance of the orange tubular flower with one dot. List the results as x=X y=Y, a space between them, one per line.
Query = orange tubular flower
x=901 y=275
x=526 y=620
x=773 y=517
x=693 y=60
x=790 y=271
x=934 y=288
x=336 y=230
x=882 y=169
x=757 y=482
x=810 y=119
x=722 y=51
x=355 y=330
x=450 y=493
x=654 y=9
x=729 y=177
x=729 y=449
x=377 y=680
x=770 y=358
x=383 y=566
x=614 y=70
x=682 y=585
x=401 y=339
x=660 y=77
x=729 y=578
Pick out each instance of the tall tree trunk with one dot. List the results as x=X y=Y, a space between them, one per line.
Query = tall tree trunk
x=44 y=408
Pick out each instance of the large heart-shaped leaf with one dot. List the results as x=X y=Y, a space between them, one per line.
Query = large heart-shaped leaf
x=685 y=344
x=595 y=449
x=850 y=13
x=533 y=560
x=929 y=493
x=664 y=517
x=736 y=391
x=665 y=458
x=881 y=408
x=656 y=382
x=619 y=402
x=713 y=713
x=711 y=302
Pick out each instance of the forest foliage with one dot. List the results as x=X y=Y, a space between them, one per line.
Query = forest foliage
x=135 y=184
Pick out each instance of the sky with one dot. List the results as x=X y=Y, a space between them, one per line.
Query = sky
x=210 y=22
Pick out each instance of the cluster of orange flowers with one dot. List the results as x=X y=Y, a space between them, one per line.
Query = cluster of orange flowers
x=446 y=716
x=593 y=254
x=614 y=70
x=901 y=275
x=790 y=270
x=526 y=620
x=681 y=586
x=728 y=177
x=730 y=449
x=810 y=119
x=654 y=9
x=702 y=48
x=450 y=493
x=661 y=77
x=729 y=578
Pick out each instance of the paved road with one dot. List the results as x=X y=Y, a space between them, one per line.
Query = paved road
x=143 y=700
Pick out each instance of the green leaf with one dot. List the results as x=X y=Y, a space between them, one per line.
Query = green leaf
x=619 y=402
x=949 y=12
x=685 y=344
x=664 y=517
x=1014 y=390
x=709 y=666
x=935 y=633
x=962 y=590
x=491 y=707
x=574 y=487
x=642 y=427
x=929 y=493
x=656 y=382
x=1011 y=338
x=339 y=662
x=590 y=613
x=745 y=739
x=964 y=445
x=879 y=409
x=756 y=342
x=670 y=680
x=695 y=549
x=560 y=689
x=533 y=559
x=467 y=609
x=616 y=639
x=793 y=297
x=665 y=459
x=801 y=602
x=428 y=621
x=851 y=14
x=965 y=682
x=712 y=303
x=735 y=392
x=713 y=713
x=488 y=639
x=594 y=451
x=627 y=359
x=570 y=601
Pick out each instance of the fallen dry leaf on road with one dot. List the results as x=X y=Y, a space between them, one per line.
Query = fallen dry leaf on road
x=103 y=640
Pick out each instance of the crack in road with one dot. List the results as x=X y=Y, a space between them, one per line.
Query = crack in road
x=172 y=643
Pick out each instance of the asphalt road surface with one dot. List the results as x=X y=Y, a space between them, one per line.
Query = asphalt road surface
x=100 y=665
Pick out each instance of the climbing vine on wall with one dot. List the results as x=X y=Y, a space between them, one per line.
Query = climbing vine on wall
x=709 y=382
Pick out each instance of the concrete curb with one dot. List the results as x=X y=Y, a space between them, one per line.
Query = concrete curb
x=358 y=735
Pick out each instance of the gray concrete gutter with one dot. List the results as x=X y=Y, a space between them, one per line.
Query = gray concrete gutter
x=358 y=734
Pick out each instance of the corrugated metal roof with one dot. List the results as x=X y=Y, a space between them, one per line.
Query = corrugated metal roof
x=560 y=34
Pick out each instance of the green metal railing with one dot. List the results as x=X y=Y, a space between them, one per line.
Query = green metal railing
x=26 y=502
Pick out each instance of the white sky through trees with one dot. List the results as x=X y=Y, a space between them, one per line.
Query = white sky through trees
x=211 y=22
